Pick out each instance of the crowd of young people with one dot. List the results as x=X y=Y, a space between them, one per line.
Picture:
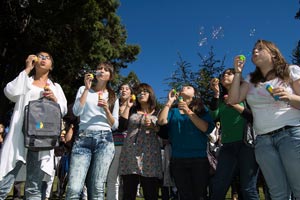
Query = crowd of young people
x=117 y=142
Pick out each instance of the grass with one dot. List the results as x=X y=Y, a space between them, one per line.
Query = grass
x=228 y=196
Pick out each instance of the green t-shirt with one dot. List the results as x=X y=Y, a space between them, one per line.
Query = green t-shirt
x=232 y=123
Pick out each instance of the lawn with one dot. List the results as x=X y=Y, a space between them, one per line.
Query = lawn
x=228 y=196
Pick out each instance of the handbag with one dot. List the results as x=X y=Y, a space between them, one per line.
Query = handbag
x=42 y=124
x=249 y=135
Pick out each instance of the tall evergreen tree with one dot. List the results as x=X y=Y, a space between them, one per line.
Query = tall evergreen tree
x=77 y=33
x=296 y=51
x=296 y=55
x=209 y=68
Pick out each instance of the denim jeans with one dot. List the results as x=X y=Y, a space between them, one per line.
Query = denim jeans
x=7 y=182
x=235 y=156
x=91 y=157
x=34 y=177
x=278 y=156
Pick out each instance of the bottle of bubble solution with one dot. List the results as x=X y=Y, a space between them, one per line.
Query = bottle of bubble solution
x=180 y=99
x=146 y=119
x=46 y=89
x=100 y=97
x=269 y=88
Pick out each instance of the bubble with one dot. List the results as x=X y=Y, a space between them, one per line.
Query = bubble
x=201 y=31
x=217 y=32
x=40 y=1
x=252 y=32
x=203 y=42
x=23 y=3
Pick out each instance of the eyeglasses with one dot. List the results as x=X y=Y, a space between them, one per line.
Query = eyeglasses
x=43 y=57
x=143 y=91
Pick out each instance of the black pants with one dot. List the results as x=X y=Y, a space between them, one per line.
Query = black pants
x=191 y=177
x=150 y=187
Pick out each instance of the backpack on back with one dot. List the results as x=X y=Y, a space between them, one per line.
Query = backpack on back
x=42 y=124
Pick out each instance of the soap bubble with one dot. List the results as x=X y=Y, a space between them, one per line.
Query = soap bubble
x=203 y=42
x=252 y=32
x=217 y=32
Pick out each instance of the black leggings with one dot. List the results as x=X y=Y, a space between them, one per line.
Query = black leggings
x=150 y=187
x=191 y=177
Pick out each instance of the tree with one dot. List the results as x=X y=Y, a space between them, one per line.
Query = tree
x=296 y=55
x=131 y=79
x=77 y=33
x=209 y=68
x=181 y=76
x=296 y=51
x=297 y=16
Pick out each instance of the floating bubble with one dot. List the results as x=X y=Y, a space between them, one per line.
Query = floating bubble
x=201 y=31
x=252 y=32
x=40 y=1
x=23 y=3
x=203 y=41
x=217 y=32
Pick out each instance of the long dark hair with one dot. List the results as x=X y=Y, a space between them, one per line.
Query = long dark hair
x=152 y=98
x=197 y=105
x=223 y=90
x=281 y=69
x=111 y=93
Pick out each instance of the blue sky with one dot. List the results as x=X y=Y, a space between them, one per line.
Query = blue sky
x=164 y=28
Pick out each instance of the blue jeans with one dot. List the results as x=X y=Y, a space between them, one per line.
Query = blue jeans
x=34 y=177
x=278 y=156
x=232 y=157
x=91 y=157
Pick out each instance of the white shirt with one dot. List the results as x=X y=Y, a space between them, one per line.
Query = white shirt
x=269 y=114
x=92 y=116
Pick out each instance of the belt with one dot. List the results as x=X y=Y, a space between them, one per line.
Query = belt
x=279 y=130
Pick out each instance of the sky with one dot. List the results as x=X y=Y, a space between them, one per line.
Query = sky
x=164 y=28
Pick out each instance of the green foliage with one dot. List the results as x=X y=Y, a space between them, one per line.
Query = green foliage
x=185 y=74
x=296 y=55
x=77 y=33
x=209 y=68
x=131 y=79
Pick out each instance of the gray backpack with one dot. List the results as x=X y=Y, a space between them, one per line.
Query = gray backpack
x=42 y=124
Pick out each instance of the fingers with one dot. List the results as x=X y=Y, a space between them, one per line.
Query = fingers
x=214 y=81
x=239 y=62
x=281 y=93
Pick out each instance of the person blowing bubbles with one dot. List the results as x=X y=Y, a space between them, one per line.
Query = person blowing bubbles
x=276 y=122
x=93 y=149
x=28 y=86
x=188 y=127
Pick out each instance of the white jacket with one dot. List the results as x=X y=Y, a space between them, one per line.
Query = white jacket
x=13 y=149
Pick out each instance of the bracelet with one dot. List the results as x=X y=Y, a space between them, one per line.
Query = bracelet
x=237 y=72
x=168 y=105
